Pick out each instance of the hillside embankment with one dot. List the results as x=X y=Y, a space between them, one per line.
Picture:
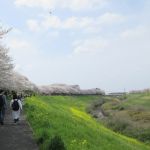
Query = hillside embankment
x=128 y=115
x=66 y=117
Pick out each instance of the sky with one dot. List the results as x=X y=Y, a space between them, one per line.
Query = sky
x=92 y=43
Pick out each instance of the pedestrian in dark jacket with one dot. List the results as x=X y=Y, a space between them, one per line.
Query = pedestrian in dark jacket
x=3 y=105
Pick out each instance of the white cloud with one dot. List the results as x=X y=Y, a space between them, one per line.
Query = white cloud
x=22 y=51
x=89 y=24
x=139 y=31
x=77 y=22
x=33 y=25
x=75 y=5
x=16 y=31
x=18 y=44
x=109 y=18
x=51 y=22
x=90 y=46
x=54 y=34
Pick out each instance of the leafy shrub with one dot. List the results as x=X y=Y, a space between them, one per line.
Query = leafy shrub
x=145 y=136
x=141 y=134
x=96 y=105
x=128 y=128
x=43 y=137
x=56 y=143
x=118 y=125
x=121 y=108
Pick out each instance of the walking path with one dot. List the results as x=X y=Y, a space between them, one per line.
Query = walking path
x=16 y=136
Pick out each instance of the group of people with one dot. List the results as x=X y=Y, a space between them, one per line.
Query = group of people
x=15 y=105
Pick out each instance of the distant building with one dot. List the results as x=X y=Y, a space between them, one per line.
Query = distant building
x=117 y=94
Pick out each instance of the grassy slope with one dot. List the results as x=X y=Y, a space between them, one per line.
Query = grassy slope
x=138 y=100
x=65 y=116
x=134 y=118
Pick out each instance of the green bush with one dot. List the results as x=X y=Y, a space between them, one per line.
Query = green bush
x=56 y=143
x=118 y=125
x=140 y=134
x=95 y=105
x=42 y=137
x=145 y=136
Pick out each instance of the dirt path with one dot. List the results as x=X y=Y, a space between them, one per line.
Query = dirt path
x=16 y=136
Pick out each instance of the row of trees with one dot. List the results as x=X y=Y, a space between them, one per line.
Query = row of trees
x=9 y=79
x=63 y=89
x=6 y=65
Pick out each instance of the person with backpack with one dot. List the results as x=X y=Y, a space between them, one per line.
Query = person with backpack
x=3 y=105
x=16 y=107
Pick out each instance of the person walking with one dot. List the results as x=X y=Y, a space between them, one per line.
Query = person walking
x=16 y=107
x=3 y=106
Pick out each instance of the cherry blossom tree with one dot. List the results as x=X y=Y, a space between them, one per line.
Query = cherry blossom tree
x=9 y=79
x=6 y=65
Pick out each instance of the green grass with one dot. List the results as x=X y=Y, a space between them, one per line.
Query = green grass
x=138 y=100
x=65 y=116
x=131 y=114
